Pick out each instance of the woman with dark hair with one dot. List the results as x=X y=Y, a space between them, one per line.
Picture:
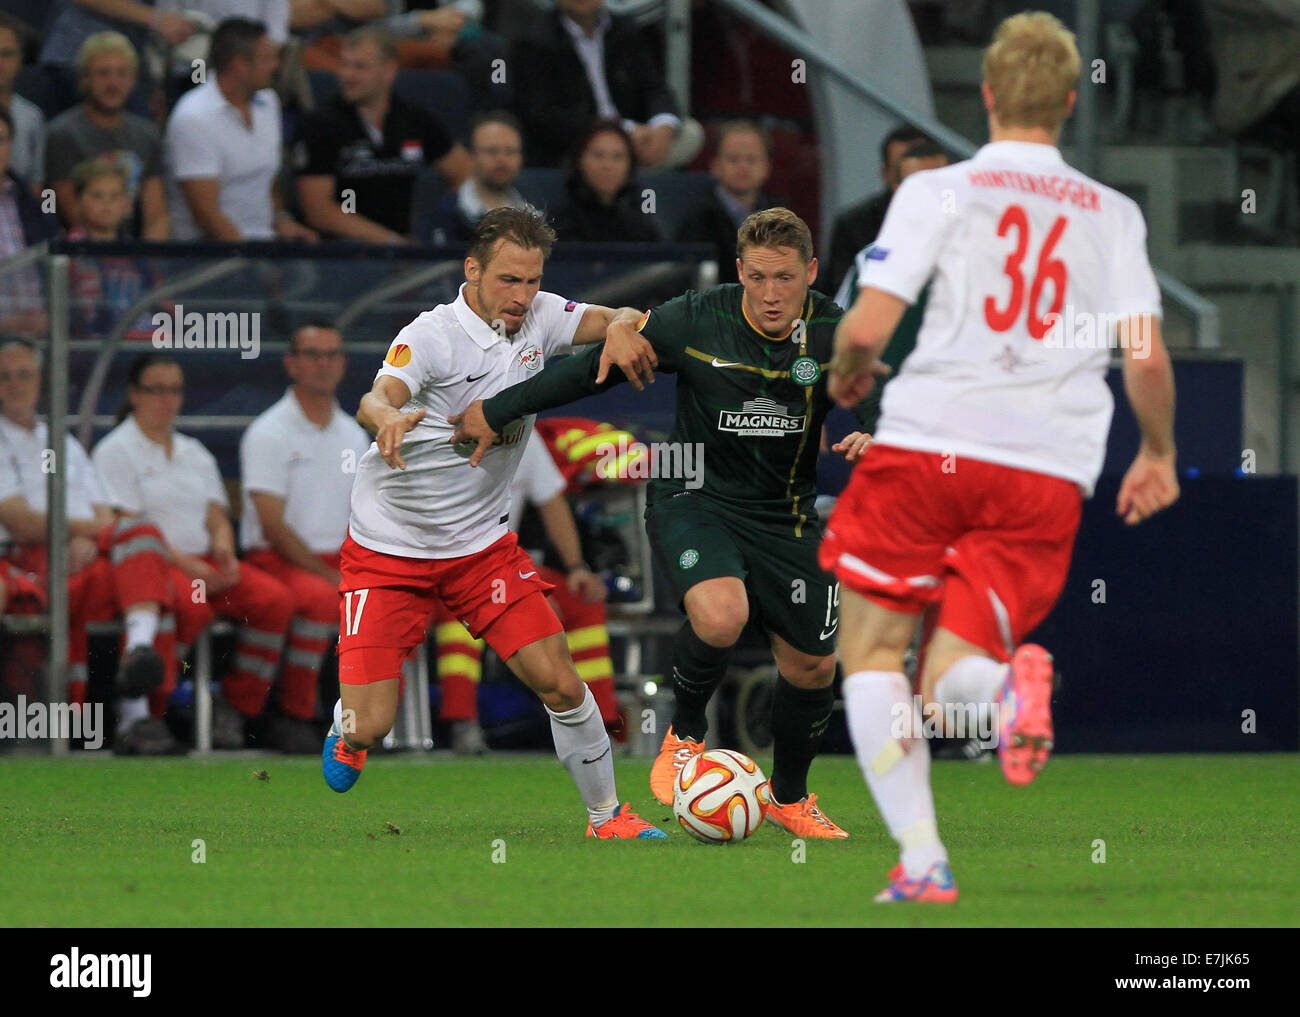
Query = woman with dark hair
x=603 y=203
x=150 y=470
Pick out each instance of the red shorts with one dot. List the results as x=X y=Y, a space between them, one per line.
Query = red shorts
x=990 y=544
x=388 y=601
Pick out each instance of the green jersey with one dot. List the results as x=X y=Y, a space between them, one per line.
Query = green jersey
x=754 y=404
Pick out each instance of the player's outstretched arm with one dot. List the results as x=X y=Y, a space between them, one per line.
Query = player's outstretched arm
x=572 y=378
x=860 y=339
x=1151 y=483
x=380 y=414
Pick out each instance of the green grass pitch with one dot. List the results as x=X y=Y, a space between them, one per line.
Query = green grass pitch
x=1189 y=841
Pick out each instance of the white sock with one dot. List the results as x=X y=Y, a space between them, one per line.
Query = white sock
x=583 y=746
x=338 y=716
x=141 y=626
x=131 y=710
x=896 y=770
x=973 y=682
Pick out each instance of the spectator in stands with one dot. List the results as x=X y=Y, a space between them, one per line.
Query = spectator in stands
x=27 y=153
x=580 y=62
x=496 y=151
x=223 y=145
x=71 y=22
x=116 y=567
x=431 y=35
x=603 y=202
x=104 y=288
x=22 y=224
x=101 y=127
x=151 y=471
x=297 y=461
x=858 y=225
x=742 y=162
x=578 y=598
x=360 y=155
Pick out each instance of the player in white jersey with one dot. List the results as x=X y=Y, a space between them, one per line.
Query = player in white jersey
x=990 y=435
x=426 y=526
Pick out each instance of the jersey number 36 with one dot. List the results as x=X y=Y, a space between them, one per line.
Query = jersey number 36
x=1002 y=318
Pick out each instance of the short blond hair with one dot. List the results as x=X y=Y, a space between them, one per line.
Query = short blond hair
x=1031 y=67
x=86 y=173
x=106 y=42
x=775 y=227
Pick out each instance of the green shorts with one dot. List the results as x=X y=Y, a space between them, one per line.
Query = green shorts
x=789 y=593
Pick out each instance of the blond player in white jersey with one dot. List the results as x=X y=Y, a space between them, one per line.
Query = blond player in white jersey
x=990 y=436
x=427 y=526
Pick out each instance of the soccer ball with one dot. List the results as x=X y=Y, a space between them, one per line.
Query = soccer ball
x=715 y=796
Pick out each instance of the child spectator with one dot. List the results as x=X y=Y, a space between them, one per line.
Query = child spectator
x=104 y=288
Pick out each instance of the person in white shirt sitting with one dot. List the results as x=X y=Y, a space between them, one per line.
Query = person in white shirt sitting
x=297 y=461
x=116 y=567
x=151 y=471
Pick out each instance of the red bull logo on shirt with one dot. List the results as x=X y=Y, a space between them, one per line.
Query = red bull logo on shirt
x=531 y=358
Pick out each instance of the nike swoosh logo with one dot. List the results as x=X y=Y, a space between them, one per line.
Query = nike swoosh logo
x=600 y=757
x=719 y=363
x=523 y=576
x=470 y=377
x=827 y=635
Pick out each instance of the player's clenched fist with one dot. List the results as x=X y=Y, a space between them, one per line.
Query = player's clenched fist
x=1151 y=484
x=472 y=426
x=390 y=435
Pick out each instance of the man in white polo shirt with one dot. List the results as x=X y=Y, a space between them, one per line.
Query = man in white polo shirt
x=297 y=462
x=223 y=145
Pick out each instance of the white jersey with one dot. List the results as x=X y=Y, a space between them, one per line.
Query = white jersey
x=1007 y=239
x=440 y=506
x=172 y=492
x=285 y=454
x=23 y=471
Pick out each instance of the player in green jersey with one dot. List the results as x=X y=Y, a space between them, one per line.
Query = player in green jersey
x=750 y=361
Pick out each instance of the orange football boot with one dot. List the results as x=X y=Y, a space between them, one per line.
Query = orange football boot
x=801 y=818
x=673 y=755
x=626 y=825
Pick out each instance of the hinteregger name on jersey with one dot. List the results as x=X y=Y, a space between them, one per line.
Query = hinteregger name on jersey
x=1066 y=189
